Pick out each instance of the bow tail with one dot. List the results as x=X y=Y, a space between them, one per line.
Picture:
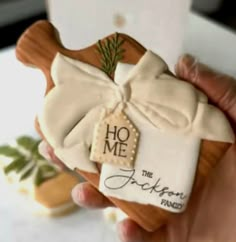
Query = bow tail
x=76 y=156
x=211 y=124
x=74 y=151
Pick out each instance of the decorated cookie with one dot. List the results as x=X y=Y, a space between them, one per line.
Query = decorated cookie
x=116 y=114
x=45 y=184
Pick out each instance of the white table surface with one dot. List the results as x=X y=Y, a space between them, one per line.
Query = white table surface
x=21 y=91
x=19 y=224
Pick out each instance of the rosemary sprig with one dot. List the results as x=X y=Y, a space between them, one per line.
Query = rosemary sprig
x=29 y=163
x=111 y=52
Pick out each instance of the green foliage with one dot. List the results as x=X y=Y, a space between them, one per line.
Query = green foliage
x=111 y=52
x=9 y=151
x=39 y=178
x=26 y=142
x=27 y=173
x=43 y=173
x=28 y=165
x=16 y=165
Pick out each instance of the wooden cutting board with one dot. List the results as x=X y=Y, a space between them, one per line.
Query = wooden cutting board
x=38 y=47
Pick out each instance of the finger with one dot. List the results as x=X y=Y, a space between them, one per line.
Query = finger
x=215 y=217
x=220 y=88
x=48 y=153
x=129 y=231
x=85 y=195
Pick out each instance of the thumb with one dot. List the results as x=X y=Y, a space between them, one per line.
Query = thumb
x=220 y=88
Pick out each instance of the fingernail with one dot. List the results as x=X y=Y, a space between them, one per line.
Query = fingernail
x=185 y=66
x=128 y=234
x=43 y=150
x=185 y=60
x=78 y=194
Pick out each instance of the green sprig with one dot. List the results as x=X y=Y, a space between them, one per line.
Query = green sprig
x=111 y=52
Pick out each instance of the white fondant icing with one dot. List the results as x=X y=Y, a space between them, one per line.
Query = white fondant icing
x=167 y=104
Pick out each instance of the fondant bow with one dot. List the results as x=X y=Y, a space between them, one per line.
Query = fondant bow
x=81 y=92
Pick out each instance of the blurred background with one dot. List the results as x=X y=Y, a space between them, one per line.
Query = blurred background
x=16 y=15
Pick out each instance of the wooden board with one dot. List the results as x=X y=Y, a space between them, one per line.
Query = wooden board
x=38 y=47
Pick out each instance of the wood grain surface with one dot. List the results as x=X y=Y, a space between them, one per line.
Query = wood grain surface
x=38 y=47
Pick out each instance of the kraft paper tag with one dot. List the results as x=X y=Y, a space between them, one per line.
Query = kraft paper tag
x=115 y=141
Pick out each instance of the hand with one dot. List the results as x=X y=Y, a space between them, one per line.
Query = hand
x=212 y=215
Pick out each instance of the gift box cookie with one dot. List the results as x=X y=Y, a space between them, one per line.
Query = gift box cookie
x=117 y=115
